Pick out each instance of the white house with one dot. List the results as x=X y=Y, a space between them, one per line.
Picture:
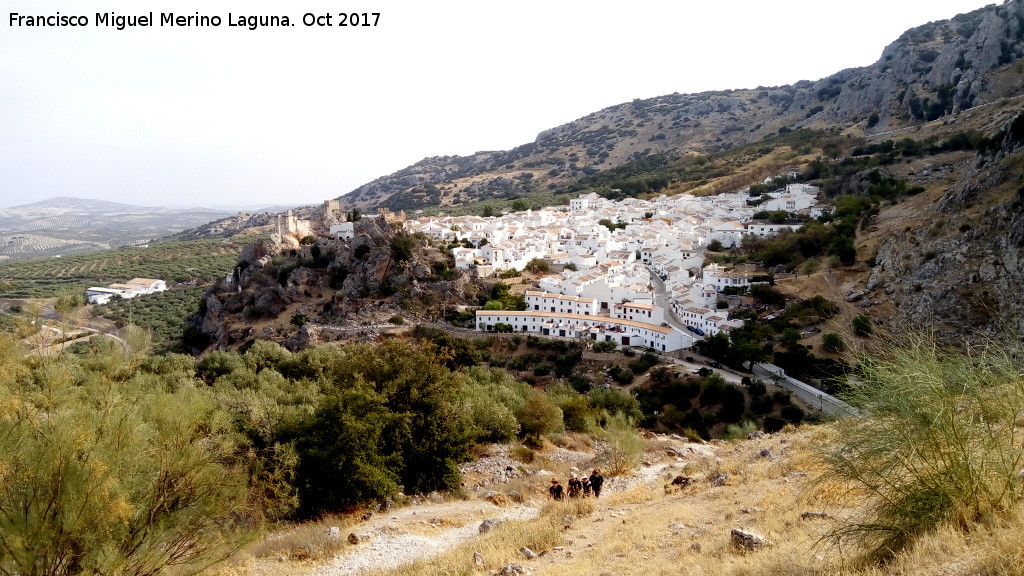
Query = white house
x=638 y=311
x=603 y=329
x=765 y=229
x=98 y=295
x=584 y=202
x=343 y=231
x=721 y=278
x=557 y=303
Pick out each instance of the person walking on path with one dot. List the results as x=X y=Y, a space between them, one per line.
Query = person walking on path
x=596 y=481
x=575 y=486
x=555 y=490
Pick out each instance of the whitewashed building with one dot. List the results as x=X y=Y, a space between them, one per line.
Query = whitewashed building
x=601 y=329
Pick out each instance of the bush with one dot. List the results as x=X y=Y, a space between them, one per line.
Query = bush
x=580 y=383
x=539 y=416
x=625 y=445
x=734 y=403
x=622 y=376
x=106 y=475
x=862 y=326
x=612 y=401
x=938 y=445
x=832 y=342
x=792 y=413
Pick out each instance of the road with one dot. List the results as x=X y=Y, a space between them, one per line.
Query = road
x=661 y=300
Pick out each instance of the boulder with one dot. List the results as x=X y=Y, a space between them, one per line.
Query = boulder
x=488 y=525
x=747 y=540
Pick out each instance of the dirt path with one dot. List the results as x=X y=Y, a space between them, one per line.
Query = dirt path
x=426 y=529
x=418 y=533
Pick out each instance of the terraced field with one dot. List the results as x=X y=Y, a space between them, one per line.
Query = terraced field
x=201 y=260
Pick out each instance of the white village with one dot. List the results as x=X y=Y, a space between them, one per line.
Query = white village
x=640 y=281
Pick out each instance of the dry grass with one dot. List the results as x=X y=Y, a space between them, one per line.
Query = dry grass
x=502 y=545
x=309 y=541
x=647 y=530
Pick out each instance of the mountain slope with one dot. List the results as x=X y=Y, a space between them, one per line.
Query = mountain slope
x=931 y=71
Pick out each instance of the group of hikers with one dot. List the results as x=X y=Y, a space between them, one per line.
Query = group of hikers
x=583 y=486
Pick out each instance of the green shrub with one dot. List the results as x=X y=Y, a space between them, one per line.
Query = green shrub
x=939 y=443
x=539 y=416
x=740 y=431
x=621 y=376
x=613 y=401
x=625 y=445
x=862 y=326
x=734 y=403
x=832 y=342
x=105 y=475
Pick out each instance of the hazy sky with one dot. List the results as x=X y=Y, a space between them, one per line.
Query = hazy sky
x=166 y=115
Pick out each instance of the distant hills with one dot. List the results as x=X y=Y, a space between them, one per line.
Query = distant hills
x=66 y=225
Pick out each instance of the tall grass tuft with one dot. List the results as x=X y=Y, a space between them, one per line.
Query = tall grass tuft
x=940 y=442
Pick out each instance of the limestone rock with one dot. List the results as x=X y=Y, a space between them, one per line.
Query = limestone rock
x=747 y=540
x=488 y=525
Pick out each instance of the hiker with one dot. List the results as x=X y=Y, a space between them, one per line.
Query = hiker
x=596 y=481
x=575 y=486
x=555 y=490
x=586 y=486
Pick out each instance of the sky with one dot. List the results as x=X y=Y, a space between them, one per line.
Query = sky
x=225 y=115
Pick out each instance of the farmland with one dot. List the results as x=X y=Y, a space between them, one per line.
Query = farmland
x=200 y=260
x=163 y=313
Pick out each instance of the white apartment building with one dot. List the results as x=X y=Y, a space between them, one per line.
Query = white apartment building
x=601 y=329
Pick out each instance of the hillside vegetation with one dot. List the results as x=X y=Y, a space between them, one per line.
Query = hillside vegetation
x=927 y=482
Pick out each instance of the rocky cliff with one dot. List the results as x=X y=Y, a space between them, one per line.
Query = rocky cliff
x=961 y=274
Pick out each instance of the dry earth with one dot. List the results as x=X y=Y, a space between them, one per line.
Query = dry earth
x=501 y=489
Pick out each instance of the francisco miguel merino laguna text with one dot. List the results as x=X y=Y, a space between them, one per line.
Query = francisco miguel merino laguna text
x=121 y=22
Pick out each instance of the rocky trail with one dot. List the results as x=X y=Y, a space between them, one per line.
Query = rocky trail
x=418 y=533
x=503 y=490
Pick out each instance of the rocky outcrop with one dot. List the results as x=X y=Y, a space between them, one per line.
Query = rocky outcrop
x=962 y=275
x=317 y=292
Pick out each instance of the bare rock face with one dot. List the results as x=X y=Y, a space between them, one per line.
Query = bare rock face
x=961 y=275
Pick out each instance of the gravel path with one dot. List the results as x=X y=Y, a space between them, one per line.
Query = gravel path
x=388 y=549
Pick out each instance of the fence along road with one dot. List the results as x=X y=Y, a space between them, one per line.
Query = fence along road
x=827 y=403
